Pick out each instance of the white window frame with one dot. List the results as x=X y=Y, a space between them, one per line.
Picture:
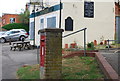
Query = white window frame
x=50 y=16
x=43 y=23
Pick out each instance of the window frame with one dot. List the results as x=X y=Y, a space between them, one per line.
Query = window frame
x=50 y=16
x=43 y=23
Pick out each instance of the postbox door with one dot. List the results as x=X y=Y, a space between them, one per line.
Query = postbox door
x=42 y=50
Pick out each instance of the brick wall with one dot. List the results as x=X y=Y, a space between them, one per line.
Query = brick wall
x=6 y=18
x=53 y=54
x=117 y=9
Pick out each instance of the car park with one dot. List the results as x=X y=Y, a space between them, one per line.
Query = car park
x=13 y=35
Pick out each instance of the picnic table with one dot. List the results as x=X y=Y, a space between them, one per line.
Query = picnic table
x=20 y=45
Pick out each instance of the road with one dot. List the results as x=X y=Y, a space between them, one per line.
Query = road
x=12 y=60
x=113 y=59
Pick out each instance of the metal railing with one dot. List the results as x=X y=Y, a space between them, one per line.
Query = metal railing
x=111 y=41
x=84 y=29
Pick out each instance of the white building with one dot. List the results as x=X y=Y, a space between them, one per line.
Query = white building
x=98 y=17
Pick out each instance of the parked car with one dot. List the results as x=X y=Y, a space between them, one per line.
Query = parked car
x=2 y=32
x=14 y=35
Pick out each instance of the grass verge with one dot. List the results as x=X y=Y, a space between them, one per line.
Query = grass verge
x=73 y=68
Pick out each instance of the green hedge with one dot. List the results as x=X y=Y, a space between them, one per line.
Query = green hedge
x=16 y=26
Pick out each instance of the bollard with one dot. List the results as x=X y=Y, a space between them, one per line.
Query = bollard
x=38 y=48
x=51 y=53
x=10 y=41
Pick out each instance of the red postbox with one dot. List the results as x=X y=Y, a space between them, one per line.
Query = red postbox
x=42 y=50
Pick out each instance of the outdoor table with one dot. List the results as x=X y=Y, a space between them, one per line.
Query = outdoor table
x=20 y=45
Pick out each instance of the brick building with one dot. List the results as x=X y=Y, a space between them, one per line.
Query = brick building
x=10 y=18
x=117 y=9
x=117 y=21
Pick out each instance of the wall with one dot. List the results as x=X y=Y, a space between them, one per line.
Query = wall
x=6 y=18
x=101 y=25
x=117 y=18
x=117 y=9
x=37 y=24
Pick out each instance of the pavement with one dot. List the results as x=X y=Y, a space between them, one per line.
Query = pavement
x=113 y=59
x=12 y=60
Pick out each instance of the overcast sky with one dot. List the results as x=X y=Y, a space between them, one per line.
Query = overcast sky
x=12 y=6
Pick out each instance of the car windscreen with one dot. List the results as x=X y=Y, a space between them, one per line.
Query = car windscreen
x=1 y=33
x=8 y=32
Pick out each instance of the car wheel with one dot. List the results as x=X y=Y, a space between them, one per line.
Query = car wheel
x=22 y=38
x=2 y=40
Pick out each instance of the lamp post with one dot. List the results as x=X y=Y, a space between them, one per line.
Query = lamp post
x=34 y=7
x=34 y=20
x=60 y=16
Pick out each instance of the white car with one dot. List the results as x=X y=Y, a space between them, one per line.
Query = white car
x=2 y=32
x=13 y=35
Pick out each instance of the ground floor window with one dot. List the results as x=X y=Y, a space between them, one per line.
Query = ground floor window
x=69 y=24
x=32 y=32
x=51 y=22
x=41 y=23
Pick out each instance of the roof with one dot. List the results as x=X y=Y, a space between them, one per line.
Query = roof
x=16 y=29
x=8 y=14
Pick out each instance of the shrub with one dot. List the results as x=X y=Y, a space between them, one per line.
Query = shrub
x=16 y=26
x=90 y=46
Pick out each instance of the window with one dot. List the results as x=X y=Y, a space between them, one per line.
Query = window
x=32 y=32
x=89 y=9
x=15 y=32
x=41 y=23
x=23 y=30
x=12 y=20
x=69 y=24
x=51 y=22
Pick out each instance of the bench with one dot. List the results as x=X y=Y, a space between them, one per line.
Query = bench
x=15 y=46
x=19 y=45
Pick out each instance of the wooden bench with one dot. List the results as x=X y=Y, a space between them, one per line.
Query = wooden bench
x=19 y=45
x=15 y=46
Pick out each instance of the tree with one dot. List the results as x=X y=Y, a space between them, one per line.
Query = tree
x=24 y=17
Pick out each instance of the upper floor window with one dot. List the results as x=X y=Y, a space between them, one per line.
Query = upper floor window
x=89 y=9
x=69 y=24
x=12 y=20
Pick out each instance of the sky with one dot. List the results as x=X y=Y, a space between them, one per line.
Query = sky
x=12 y=6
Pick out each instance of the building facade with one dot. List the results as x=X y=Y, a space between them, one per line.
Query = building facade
x=97 y=17
x=117 y=22
x=10 y=18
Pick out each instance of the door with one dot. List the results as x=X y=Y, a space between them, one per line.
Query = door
x=118 y=29
x=14 y=35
